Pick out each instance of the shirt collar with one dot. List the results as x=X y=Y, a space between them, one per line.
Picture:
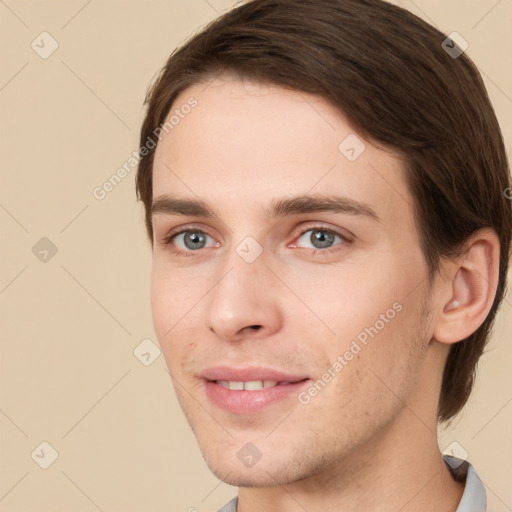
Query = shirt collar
x=474 y=498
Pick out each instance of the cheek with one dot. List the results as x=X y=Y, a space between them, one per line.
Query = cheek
x=385 y=369
x=168 y=301
x=368 y=330
x=348 y=302
x=371 y=381
x=171 y=291
x=174 y=317
x=161 y=303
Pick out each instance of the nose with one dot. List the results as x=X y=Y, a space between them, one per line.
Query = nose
x=245 y=301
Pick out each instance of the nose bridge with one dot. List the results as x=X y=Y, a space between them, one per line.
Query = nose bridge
x=244 y=295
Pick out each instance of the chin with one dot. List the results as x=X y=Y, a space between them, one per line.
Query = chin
x=270 y=471
x=237 y=476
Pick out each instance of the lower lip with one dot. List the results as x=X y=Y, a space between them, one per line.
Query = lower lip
x=248 y=402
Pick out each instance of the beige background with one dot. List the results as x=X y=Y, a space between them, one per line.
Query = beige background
x=70 y=325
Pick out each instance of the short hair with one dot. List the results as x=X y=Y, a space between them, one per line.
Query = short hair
x=389 y=73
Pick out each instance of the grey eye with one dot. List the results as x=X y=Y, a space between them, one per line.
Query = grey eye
x=191 y=240
x=319 y=238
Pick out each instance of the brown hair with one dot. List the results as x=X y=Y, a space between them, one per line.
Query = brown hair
x=388 y=72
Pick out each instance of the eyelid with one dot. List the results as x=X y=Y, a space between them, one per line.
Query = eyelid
x=304 y=228
x=183 y=229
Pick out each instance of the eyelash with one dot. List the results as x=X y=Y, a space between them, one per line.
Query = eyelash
x=167 y=242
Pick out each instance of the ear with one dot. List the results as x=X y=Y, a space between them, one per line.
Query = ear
x=467 y=288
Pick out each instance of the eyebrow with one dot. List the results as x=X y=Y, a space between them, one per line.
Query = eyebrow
x=311 y=203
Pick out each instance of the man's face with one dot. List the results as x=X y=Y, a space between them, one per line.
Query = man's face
x=286 y=298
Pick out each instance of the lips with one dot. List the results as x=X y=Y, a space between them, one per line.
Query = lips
x=249 y=390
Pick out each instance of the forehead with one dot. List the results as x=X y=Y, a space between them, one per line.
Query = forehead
x=245 y=142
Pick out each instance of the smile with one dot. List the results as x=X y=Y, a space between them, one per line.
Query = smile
x=250 y=385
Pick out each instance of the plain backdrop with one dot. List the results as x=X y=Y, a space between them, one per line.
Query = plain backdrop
x=78 y=392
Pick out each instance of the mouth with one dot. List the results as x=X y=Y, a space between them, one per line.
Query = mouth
x=250 y=390
x=251 y=385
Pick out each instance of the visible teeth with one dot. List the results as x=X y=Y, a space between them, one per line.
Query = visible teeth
x=251 y=385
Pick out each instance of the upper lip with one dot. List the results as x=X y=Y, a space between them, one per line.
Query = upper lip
x=249 y=374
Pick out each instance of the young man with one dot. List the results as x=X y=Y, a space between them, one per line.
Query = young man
x=330 y=246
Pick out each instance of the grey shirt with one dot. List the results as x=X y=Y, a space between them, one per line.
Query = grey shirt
x=474 y=498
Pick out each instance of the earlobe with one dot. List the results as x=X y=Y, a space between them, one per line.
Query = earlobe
x=470 y=285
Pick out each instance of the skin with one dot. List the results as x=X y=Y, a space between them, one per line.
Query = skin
x=367 y=440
